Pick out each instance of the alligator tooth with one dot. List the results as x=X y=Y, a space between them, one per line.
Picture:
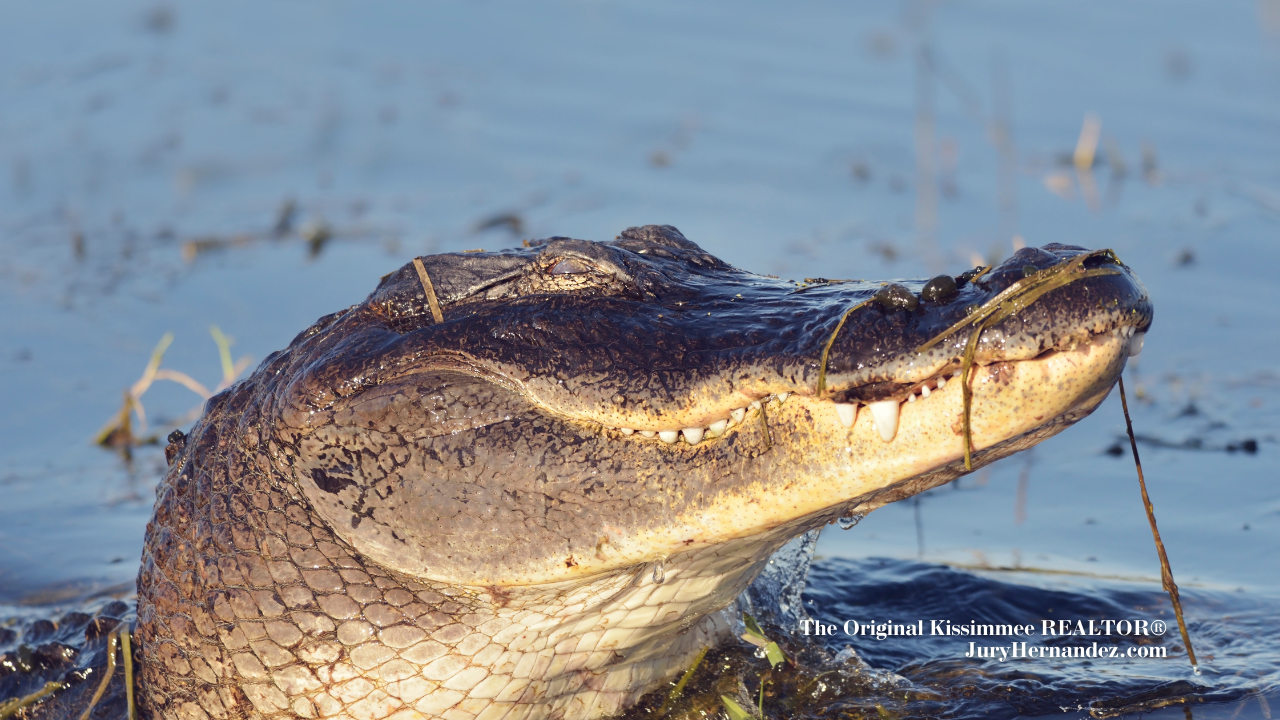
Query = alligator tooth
x=846 y=411
x=668 y=436
x=782 y=397
x=626 y=431
x=911 y=397
x=755 y=405
x=942 y=382
x=693 y=436
x=716 y=429
x=924 y=390
x=885 y=414
x=738 y=414
x=956 y=374
x=1135 y=345
x=648 y=433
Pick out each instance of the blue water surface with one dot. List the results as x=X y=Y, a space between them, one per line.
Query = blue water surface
x=147 y=151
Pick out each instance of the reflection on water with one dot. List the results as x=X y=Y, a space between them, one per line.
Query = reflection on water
x=167 y=167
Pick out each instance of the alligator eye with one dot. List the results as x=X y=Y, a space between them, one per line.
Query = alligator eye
x=570 y=266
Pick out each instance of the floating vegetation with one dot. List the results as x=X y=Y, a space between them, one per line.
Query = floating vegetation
x=756 y=636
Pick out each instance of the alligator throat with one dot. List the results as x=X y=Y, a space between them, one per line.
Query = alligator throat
x=522 y=484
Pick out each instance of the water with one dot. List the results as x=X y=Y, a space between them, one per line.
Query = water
x=147 y=151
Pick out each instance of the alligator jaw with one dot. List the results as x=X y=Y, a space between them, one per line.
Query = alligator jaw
x=820 y=470
x=645 y=622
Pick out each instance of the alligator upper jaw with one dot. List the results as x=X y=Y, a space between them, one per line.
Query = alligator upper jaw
x=689 y=374
x=720 y=417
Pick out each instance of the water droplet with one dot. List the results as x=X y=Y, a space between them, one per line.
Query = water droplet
x=660 y=571
x=849 y=521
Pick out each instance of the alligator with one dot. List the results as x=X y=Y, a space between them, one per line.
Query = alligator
x=524 y=483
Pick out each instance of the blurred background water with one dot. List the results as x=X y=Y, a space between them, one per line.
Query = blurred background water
x=168 y=167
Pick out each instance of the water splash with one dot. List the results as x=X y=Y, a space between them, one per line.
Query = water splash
x=848 y=521
x=774 y=596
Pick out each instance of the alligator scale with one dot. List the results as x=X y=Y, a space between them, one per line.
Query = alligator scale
x=521 y=484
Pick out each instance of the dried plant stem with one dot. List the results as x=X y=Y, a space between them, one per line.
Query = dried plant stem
x=429 y=289
x=126 y=653
x=826 y=350
x=106 y=676
x=1166 y=575
x=764 y=427
x=9 y=707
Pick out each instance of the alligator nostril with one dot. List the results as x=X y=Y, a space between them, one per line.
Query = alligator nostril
x=939 y=288
x=896 y=297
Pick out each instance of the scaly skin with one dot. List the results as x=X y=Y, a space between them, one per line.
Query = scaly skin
x=397 y=518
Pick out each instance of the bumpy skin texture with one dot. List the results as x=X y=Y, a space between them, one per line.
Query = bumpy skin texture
x=397 y=518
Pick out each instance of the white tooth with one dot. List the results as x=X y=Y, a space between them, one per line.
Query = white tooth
x=648 y=433
x=782 y=397
x=956 y=374
x=885 y=414
x=846 y=411
x=911 y=397
x=738 y=414
x=1135 y=345
x=693 y=436
x=755 y=405
x=942 y=382
x=626 y=431
x=716 y=429
x=668 y=436
x=924 y=390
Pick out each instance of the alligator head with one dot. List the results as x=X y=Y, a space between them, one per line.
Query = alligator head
x=524 y=481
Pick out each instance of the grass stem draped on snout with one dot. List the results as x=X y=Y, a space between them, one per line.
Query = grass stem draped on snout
x=1009 y=301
